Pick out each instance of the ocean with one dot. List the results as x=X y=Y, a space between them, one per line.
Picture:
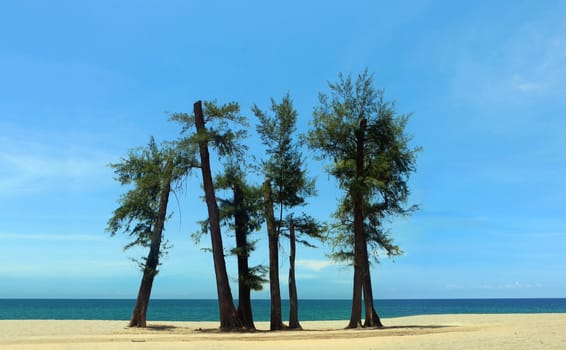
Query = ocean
x=207 y=310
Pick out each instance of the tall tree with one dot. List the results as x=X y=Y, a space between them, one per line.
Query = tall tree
x=297 y=230
x=143 y=210
x=241 y=212
x=285 y=171
x=222 y=137
x=371 y=159
x=276 y=320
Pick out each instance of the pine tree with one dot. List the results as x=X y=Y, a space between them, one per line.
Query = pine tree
x=143 y=210
x=215 y=126
x=285 y=188
x=371 y=159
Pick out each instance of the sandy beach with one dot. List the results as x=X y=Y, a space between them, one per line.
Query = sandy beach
x=456 y=332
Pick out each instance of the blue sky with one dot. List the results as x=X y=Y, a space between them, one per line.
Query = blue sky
x=82 y=82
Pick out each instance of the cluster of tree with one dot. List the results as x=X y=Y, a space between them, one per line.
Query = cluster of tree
x=369 y=154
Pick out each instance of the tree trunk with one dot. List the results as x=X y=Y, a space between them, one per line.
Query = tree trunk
x=276 y=320
x=241 y=220
x=372 y=319
x=355 y=316
x=228 y=316
x=150 y=270
x=359 y=237
x=293 y=299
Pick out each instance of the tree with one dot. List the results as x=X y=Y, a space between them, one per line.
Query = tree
x=222 y=137
x=276 y=321
x=243 y=215
x=296 y=229
x=371 y=159
x=285 y=171
x=143 y=210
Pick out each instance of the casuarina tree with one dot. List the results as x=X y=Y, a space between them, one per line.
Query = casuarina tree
x=241 y=213
x=216 y=127
x=152 y=171
x=371 y=158
x=286 y=187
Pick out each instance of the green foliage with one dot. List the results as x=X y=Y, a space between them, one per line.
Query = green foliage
x=248 y=213
x=225 y=129
x=285 y=165
x=378 y=237
x=233 y=175
x=144 y=171
x=356 y=111
x=257 y=277
x=304 y=225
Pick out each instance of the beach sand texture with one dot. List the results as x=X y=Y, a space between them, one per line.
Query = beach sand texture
x=456 y=332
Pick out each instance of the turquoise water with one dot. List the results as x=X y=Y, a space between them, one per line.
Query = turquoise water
x=207 y=310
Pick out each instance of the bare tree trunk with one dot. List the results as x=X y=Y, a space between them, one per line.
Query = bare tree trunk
x=355 y=316
x=372 y=319
x=150 y=270
x=241 y=220
x=276 y=319
x=228 y=316
x=140 y=309
x=293 y=298
x=359 y=237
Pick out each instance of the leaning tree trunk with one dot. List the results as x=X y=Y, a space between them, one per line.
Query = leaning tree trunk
x=241 y=220
x=276 y=320
x=293 y=299
x=372 y=319
x=359 y=238
x=228 y=316
x=150 y=270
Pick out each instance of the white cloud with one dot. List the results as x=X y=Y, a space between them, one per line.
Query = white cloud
x=453 y=286
x=512 y=285
x=51 y=237
x=521 y=285
x=346 y=282
x=313 y=265
x=525 y=86
x=528 y=63
x=69 y=268
x=305 y=276
x=31 y=167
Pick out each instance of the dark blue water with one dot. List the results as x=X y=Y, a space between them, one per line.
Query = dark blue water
x=207 y=310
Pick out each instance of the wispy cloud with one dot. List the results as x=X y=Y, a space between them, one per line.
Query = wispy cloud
x=313 y=265
x=525 y=86
x=306 y=276
x=51 y=237
x=512 y=285
x=31 y=167
x=528 y=63
x=345 y=282
x=69 y=268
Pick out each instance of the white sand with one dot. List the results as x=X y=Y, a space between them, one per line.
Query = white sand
x=455 y=332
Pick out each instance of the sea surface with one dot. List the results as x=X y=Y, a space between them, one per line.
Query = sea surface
x=207 y=310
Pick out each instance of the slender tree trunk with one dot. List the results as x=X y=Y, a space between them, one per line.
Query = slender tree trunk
x=228 y=316
x=150 y=270
x=293 y=298
x=241 y=220
x=359 y=237
x=372 y=319
x=276 y=320
x=355 y=316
